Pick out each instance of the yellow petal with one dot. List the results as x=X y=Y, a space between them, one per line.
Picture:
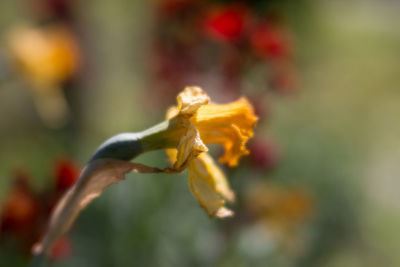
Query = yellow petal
x=189 y=148
x=209 y=186
x=190 y=144
x=172 y=154
x=191 y=99
x=216 y=178
x=172 y=112
x=228 y=124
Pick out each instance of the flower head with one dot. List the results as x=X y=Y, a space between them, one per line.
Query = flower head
x=227 y=124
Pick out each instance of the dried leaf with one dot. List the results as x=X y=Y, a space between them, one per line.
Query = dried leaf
x=95 y=177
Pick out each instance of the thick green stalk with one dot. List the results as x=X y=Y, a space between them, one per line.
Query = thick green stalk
x=125 y=147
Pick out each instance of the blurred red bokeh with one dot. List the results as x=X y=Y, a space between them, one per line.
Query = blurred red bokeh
x=25 y=212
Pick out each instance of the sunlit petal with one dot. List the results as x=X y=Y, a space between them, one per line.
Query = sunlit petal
x=209 y=186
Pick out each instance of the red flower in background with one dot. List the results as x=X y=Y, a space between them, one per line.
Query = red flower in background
x=270 y=41
x=285 y=81
x=170 y=7
x=284 y=77
x=61 y=249
x=66 y=173
x=264 y=154
x=226 y=23
x=24 y=212
x=21 y=206
x=230 y=46
x=60 y=10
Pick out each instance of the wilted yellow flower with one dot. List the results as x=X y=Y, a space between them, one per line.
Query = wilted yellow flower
x=192 y=124
x=230 y=125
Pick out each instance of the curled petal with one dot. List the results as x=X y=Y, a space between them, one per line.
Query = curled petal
x=172 y=112
x=189 y=148
x=216 y=178
x=209 y=186
x=172 y=154
x=228 y=124
x=191 y=99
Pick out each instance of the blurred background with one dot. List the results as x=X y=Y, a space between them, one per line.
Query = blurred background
x=320 y=187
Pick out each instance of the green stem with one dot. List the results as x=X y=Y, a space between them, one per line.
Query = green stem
x=126 y=146
x=123 y=146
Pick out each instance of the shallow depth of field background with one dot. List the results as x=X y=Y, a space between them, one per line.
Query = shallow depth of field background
x=337 y=136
